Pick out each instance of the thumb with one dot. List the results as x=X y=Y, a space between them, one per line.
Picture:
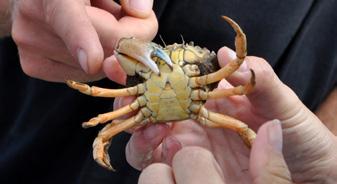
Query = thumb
x=267 y=164
x=137 y=8
x=309 y=147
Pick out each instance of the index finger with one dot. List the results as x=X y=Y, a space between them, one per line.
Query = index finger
x=71 y=23
x=110 y=30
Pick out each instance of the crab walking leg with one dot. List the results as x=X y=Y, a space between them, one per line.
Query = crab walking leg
x=103 y=92
x=232 y=66
x=102 y=141
x=215 y=120
x=219 y=93
x=102 y=118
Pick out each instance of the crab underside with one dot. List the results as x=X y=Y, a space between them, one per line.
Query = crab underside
x=176 y=84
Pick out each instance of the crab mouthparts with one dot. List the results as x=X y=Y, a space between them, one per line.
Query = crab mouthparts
x=163 y=56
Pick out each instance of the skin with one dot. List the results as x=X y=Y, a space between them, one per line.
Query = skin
x=194 y=165
x=60 y=39
x=308 y=150
x=328 y=110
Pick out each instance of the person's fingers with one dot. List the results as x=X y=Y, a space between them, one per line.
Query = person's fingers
x=71 y=23
x=303 y=132
x=113 y=70
x=136 y=8
x=110 y=6
x=170 y=146
x=267 y=164
x=142 y=144
x=193 y=165
x=110 y=30
x=138 y=21
x=269 y=90
x=157 y=173
x=38 y=41
x=42 y=68
x=225 y=55
x=309 y=148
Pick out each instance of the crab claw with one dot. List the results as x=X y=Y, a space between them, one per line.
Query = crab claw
x=162 y=55
x=141 y=51
x=100 y=153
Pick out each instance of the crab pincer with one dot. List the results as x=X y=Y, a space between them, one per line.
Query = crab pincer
x=138 y=50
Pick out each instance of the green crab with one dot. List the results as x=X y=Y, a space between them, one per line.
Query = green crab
x=175 y=86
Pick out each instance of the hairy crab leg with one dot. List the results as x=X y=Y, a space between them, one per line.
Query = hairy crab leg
x=232 y=66
x=219 y=93
x=102 y=141
x=104 y=92
x=216 y=120
x=103 y=118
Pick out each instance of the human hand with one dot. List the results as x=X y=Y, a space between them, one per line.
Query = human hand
x=60 y=39
x=309 y=148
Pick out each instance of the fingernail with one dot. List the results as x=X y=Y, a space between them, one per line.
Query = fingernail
x=275 y=138
x=141 y=5
x=82 y=59
x=243 y=67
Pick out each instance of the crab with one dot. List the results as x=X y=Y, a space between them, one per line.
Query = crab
x=176 y=83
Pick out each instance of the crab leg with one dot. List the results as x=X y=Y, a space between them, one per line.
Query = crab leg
x=241 y=52
x=216 y=120
x=102 y=118
x=219 y=93
x=102 y=141
x=103 y=92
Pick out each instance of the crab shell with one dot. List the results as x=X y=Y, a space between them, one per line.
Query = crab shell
x=168 y=94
